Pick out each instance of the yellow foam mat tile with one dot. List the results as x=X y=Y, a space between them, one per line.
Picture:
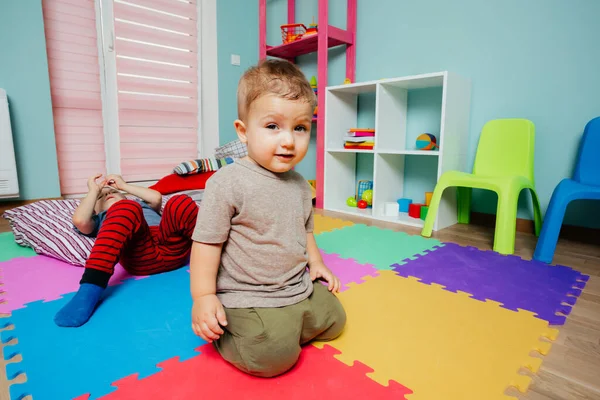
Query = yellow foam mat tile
x=441 y=345
x=326 y=224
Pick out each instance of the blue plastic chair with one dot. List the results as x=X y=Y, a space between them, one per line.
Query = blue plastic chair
x=584 y=185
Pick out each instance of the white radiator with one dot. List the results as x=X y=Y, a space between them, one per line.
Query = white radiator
x=9 y=183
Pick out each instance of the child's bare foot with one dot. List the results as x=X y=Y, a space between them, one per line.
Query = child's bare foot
x=81 y=307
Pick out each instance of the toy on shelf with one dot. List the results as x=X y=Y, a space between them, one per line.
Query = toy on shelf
x=347 y=81
x=312 y=28
x=428 y=196
x=362 y=186
x=363 y=196
x=404 y=204
x=427 y=141
x=390 y=209
x=359 y=139
x=414 y=210
x=292 y=32
x=423 y=213
x=367 y=196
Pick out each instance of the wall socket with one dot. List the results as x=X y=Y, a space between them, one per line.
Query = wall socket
x=235 y=59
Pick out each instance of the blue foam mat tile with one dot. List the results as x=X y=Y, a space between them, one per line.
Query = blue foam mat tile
x=138 y=324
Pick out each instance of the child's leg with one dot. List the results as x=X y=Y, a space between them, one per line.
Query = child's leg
x=263 y=342
x=175 y=230
x=124 y=226
x=327 y=318
x=172 y=240
x=266 y=341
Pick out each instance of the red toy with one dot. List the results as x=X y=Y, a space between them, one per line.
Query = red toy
x=362 y=204
x=414 y=210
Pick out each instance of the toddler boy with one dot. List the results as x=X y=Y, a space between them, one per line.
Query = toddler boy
x=131 y=232
x=254 y=298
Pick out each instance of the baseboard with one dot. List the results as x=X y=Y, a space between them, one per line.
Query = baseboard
x=570 y=232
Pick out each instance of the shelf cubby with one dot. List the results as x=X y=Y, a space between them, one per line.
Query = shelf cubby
x=342 y=175
x=437 y=103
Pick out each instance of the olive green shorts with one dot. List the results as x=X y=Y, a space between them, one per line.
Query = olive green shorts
x=266 y=341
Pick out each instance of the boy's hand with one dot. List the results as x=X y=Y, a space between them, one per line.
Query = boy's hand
x=319 y=270
x=93 y=186
x=207 y=314
x=116 y=181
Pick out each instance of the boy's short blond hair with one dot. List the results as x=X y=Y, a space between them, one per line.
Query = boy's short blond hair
x=272 y=76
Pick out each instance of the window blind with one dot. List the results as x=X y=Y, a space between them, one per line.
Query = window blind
x=156 y=49
x=71 y=45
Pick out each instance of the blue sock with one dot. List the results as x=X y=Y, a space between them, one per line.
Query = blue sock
x=81 y=307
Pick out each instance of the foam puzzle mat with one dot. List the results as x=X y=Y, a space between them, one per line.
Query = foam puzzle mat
x=441 y=345
x=414 y=330
x=531 y=285
x=9 y=249
x=327 y=224
x=371 y=245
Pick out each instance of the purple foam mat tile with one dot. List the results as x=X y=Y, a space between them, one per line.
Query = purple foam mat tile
x=570 y=300
x=580 y=284
x=564 y=309
x=486 y=275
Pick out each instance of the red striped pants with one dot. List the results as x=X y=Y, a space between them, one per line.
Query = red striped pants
x=125 y=237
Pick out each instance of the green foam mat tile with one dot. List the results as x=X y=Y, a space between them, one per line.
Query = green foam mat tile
x=10 y=249
x=372 y=245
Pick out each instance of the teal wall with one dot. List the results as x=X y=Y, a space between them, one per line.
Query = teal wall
x=237 y=33
x=24 y=76
x=534 y=59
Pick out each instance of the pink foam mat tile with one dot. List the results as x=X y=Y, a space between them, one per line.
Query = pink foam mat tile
x=347 y=269
x=28 y=279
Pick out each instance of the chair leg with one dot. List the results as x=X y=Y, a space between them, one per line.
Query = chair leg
x=464 y=204
x=433 y=209
x=506 y=221
x=546 y=244
x=537 y=213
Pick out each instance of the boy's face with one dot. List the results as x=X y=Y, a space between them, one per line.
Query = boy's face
x=106 y=198
x=276 y=132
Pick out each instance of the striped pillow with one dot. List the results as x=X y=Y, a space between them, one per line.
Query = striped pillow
x=201 y=165
x=46 y=226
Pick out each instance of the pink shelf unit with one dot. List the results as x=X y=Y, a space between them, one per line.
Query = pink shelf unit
x=326 y=37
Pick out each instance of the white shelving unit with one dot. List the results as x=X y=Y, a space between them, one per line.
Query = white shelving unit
x=391 y=148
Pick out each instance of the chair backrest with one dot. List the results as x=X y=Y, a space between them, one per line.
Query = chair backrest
x=587 y=169
x=506 y=148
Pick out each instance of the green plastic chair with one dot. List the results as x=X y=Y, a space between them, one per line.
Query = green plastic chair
x=503 y=163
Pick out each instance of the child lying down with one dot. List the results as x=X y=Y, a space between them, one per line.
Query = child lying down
x=131 y=232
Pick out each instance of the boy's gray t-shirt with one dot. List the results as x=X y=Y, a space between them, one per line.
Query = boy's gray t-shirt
x=263 y=219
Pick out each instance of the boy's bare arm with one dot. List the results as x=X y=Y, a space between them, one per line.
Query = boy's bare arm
x=314 y=255
x=150 y=196
x=82 y=217
x=316 y=266
x=208 y=314
x=204 y=265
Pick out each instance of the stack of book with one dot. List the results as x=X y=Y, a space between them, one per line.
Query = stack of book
x=359 y=139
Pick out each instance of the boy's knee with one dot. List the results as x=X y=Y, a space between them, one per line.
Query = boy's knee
x=275 y=356
x=266 y=355
x=335 y=315
x=179 y=200
x=126 y=210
